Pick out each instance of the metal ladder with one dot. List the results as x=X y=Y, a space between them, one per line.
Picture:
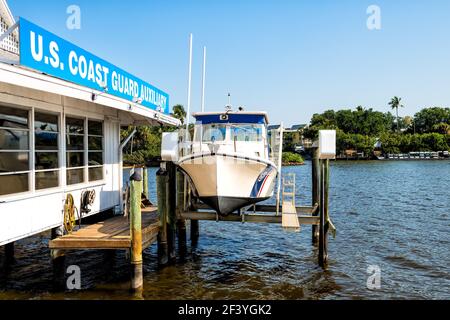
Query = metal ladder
x=289 y=215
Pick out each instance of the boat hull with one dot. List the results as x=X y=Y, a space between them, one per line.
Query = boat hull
x=228 y=182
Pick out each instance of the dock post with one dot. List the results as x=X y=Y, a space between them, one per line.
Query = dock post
x=145 y=182
x=9 y=253
x=195 y=233
x=161 y=186
x=315 y=174
x=136 y=231
x=323 y=227
x=58 y=260
x=171 y=209
x=181 y=223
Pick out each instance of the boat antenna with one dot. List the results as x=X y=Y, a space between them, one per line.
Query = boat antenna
x=228 y=106
x=189 y=87
x=203 y=79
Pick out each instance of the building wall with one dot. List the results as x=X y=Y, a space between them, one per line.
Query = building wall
x=31 y=212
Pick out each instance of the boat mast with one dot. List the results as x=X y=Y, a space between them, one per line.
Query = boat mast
x=188 y=114
x=203 y=79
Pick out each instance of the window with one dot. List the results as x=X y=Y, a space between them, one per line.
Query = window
x=214 y=132
x=246 y=132
x=75 y=153
x=46 y=159
x=95 y=150
x=14 y=150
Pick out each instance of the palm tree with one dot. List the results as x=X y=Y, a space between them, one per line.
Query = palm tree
x=179 y=112
x=395 y=104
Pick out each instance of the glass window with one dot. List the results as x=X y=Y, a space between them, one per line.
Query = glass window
x=46 y=160
x=11 y=139
x=47 y=179
x=46 y=140
x=45 y=122
x=75 y=126
x=14 y=150
x=246 y=132
x=14 y=162
x=95 y=174
x=95 y=128
x=75 y=146
x=46 y=133
x=75 y=176
x=95 y=150
x=13 y=118
x=75 y=159
x=214 y=132
x=13 y=183
x=95 y=143
x=74 y=143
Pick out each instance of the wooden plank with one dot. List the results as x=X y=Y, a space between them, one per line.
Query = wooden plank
x=89 y=244
x=113 y=233
x=257 y=218
x=289 y=217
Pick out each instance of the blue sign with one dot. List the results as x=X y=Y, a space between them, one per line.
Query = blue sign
x=48 y=53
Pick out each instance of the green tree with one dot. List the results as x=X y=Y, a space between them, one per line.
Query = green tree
x=395 y=103
x=426 y=119
x=179 y=112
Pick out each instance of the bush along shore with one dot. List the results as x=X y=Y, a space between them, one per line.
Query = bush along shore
x=292 y=159
x=372 y=132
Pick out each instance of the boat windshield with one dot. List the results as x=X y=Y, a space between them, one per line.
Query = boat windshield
x=213 y=132
x=246 y=132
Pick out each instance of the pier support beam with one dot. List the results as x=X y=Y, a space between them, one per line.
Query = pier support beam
x=162 y=191
x=181 y=222
x=137 y=278
x=145 y=182
x=323 y=226
x=315 y=197
x=171 y=209
x=9 y=253
x=58 y=260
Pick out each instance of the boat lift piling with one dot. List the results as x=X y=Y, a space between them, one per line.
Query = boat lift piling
x=136 y=231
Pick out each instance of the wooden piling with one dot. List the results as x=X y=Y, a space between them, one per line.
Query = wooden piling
x=171 y=209
x=181 y=223
x=58 y=261
x=315 y=174
x=145 y=182
x=161 y=188
x=323 y=226
x=9 y=253
x=136 y=231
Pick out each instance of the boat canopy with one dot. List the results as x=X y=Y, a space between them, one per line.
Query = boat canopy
x=231 y=117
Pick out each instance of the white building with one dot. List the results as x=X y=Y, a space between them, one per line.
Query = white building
x=56 y=137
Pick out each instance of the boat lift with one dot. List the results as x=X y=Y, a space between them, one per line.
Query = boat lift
x=285 y=212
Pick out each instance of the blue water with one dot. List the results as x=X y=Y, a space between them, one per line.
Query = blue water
x=394 y=215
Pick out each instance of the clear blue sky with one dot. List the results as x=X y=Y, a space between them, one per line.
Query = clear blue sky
x=291 y=58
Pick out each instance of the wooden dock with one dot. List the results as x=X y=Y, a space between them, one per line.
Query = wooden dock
x=113 y=233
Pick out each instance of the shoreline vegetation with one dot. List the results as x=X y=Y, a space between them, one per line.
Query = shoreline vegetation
x=362 y=132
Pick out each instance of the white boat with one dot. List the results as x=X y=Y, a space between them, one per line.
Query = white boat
x=228 y=162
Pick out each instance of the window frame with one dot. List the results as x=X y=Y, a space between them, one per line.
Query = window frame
x=58 y=151
x=29 y=172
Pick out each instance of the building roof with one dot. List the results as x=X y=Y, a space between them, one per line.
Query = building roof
x=232 y=117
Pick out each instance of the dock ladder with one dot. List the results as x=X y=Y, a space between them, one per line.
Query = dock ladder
x=289 y=215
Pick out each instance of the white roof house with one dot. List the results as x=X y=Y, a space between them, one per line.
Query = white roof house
x=59 y=134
